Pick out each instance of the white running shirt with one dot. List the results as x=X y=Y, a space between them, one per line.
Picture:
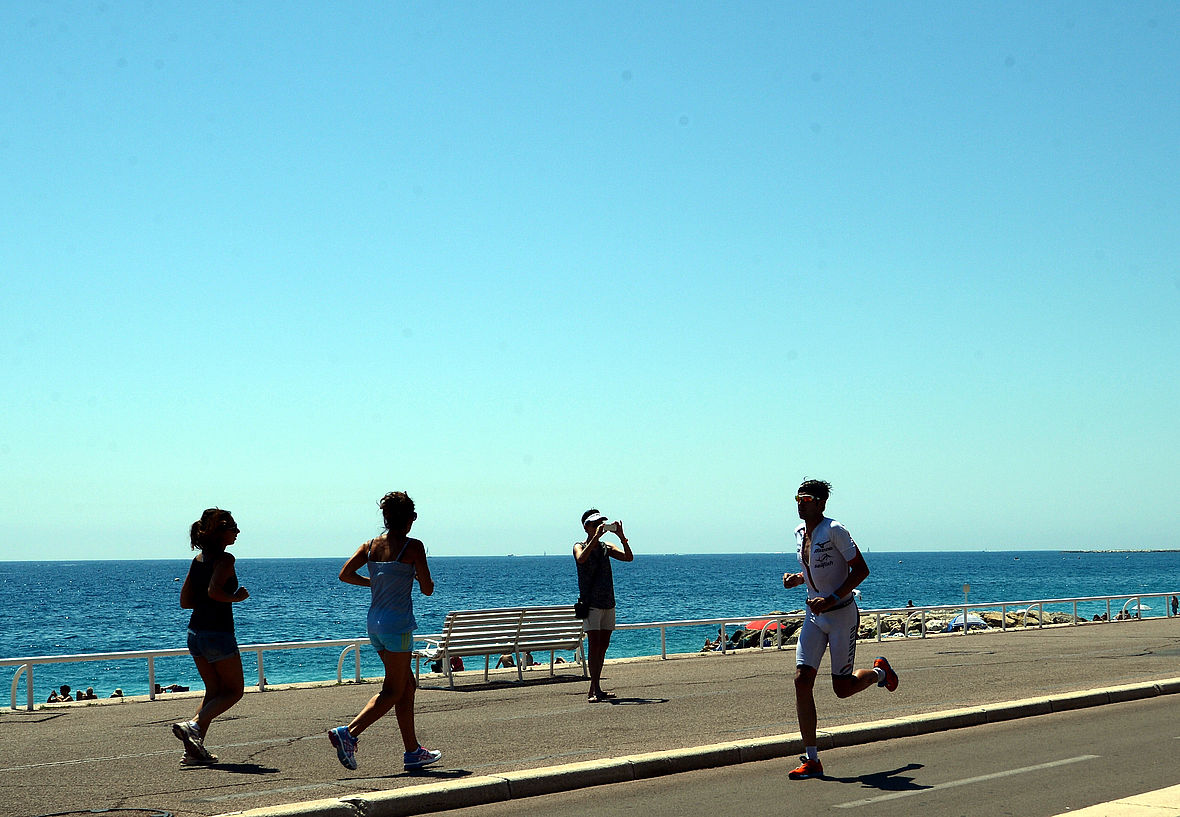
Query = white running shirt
x=832 y=549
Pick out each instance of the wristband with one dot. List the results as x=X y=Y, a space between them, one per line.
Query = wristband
x=833 y=598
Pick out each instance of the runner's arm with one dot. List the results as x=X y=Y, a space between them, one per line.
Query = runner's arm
x=422 y=570
x=348 y=573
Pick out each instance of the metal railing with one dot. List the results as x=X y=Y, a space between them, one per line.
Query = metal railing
x=25 y=666
x=1023 y=609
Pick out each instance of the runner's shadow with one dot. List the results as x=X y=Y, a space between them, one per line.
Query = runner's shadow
x=243 y=768
x=438 y=774
x=891 y=780
x=634 y=701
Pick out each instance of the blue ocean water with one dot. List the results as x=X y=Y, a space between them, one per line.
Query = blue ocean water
x=65 y=608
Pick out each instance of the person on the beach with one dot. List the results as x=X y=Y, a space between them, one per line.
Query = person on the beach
x=394 y=561
x=832 y=568
x=210 y=589
x=596 y=586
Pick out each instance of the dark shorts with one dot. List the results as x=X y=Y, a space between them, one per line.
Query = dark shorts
x=211 y=645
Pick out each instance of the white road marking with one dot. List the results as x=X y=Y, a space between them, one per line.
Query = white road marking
x=966 y=781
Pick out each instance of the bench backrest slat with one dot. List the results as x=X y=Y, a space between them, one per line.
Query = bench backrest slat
x=511 y=629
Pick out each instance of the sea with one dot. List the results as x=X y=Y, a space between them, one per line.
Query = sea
x=69 y=608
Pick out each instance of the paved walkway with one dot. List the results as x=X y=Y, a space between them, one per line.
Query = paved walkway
x=1162 y=803
x=507 y=740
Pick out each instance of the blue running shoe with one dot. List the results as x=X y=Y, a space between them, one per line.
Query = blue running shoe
x=421 y=757
x=345 y=745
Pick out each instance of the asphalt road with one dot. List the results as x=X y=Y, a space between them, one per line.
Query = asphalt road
x=1032 y=768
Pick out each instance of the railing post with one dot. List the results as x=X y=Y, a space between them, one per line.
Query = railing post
x=151 y=678
x=664 y=643
x=27 y=671
x=261 y=674
x=357 y=650
x=724 y=639
x=340 y=664
x=1003 y=618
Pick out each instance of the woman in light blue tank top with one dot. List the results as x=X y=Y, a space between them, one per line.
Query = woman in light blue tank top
x=394 y=561
x=391 y=613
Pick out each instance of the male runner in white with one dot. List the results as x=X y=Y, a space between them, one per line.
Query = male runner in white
x=832 y=568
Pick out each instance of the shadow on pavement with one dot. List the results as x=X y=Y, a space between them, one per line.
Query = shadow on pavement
x=436 y=774
x=482 y=686
x=244 y=768
x=891 y=780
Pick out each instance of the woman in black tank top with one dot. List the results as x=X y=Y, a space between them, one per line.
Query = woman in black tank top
x=209 y=590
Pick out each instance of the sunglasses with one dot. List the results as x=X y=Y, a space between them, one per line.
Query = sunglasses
x=804 y=498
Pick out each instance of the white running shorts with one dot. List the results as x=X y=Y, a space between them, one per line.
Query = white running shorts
x=834 y=631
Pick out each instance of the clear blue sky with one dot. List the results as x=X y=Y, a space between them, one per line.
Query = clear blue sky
x=519 y=259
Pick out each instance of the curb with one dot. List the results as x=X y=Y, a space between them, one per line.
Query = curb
x=476 y=791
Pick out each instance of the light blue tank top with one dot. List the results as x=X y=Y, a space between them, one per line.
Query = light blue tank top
x=391 y=609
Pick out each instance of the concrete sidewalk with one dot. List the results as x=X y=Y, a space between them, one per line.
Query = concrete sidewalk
x=508 y=740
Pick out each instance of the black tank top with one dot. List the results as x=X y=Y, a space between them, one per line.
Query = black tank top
x=209 y=615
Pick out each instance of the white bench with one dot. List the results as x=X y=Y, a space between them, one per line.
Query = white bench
x=500 y=630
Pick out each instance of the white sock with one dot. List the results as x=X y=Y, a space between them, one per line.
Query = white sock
x=880 y=674
x=812 y=752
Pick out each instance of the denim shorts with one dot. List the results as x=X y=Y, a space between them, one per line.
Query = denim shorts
x=392 y=642
x=211 y=645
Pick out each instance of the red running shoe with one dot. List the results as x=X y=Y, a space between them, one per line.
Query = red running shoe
x=809 y=768
x=890 y=680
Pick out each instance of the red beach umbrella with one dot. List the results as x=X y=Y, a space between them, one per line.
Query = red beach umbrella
x=758 y=624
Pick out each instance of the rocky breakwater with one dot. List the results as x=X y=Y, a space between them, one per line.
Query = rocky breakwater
x=948 y=620
x=951 y=620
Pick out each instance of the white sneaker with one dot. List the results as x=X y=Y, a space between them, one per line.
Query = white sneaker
x=193 y=760
x=194 y=746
